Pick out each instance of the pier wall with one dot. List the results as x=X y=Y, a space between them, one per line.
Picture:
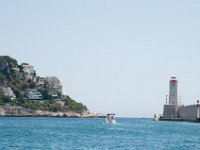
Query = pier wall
x=171 y=111
x=180 y=112
x=188 y=112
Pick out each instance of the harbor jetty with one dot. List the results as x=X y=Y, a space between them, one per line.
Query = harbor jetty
x=174 y=111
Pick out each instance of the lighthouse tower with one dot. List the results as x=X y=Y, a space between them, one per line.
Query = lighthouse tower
x=171 y=110
x=173 y=91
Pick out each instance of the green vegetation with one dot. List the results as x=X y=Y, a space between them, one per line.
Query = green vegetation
x=5 y=100
x=73 y=105
x=20 y=82
x=46 y=105
x=8 y=59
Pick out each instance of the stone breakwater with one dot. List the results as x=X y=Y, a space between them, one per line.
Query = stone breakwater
x=18 y=111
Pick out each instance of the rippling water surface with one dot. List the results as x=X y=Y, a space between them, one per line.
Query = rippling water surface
x=76 y=133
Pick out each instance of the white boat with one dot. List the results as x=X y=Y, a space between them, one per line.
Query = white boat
x=110 y=118
x=156 y=117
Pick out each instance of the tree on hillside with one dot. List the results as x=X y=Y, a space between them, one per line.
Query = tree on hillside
x=9 y=60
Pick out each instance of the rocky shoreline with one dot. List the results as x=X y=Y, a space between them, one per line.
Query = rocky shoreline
x=18 y=111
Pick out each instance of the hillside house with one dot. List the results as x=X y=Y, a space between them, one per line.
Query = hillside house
x=34 y=95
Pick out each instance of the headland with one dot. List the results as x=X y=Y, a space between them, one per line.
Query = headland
x=24 y=93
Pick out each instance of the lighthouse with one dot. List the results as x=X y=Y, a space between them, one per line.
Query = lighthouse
x=173 y=91
x=171 y=110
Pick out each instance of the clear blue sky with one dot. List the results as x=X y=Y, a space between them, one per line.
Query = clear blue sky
x=112 y=55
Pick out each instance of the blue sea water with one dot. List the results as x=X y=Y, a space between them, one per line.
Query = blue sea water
x=79 y=133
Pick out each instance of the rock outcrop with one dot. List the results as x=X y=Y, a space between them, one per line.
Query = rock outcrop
x=18 y=111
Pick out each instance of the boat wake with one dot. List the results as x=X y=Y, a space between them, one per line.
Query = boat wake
x=110 y=119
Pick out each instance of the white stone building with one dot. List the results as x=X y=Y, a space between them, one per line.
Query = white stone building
x=28 y=70
x=55 y=83
x=34 y=94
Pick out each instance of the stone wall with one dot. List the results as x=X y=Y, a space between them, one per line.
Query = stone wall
x=188 y=112
x=182 y=112
x=171 y=111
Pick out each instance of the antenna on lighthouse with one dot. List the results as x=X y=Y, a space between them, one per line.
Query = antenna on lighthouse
x=166 y=98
